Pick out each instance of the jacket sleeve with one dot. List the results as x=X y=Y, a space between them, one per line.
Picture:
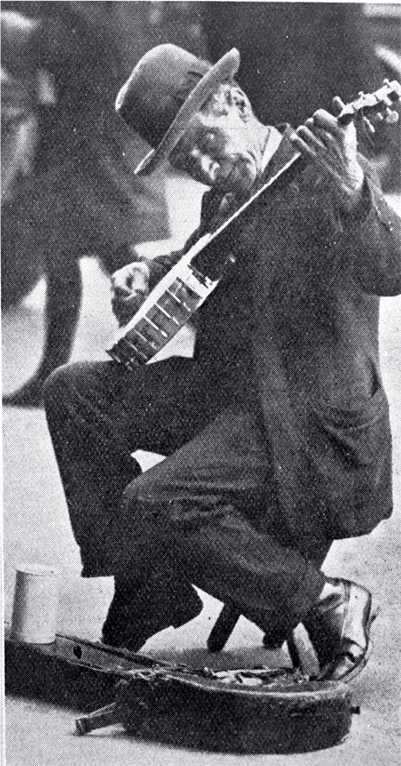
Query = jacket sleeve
x=374 y=236
x=368 y=238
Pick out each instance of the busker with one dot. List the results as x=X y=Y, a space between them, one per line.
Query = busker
x=276 y=434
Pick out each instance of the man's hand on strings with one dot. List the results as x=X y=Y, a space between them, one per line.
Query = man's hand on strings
x=333 y=148
x=130 y=286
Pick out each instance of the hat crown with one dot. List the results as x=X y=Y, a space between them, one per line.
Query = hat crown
x=159 y=85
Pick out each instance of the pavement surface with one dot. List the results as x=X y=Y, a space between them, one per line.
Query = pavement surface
x=36 y=529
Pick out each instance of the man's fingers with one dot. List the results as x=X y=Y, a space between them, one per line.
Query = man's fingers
x=135 y=299
x=303 y=147
x=314 y=149
x=317 y=133
x=323 y=119
x=130 y=277
x=309 y=140
x=121 y=282
x=337 y=105
x=121 y=290
x=129 y=303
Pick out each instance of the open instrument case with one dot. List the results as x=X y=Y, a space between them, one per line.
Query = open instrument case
x=259 y=710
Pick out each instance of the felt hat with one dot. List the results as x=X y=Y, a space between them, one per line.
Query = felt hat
x=165 y=90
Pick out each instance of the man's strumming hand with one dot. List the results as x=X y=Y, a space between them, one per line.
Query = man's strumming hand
x=130 y=286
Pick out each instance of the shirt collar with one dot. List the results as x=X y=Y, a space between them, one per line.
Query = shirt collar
x=274 y=140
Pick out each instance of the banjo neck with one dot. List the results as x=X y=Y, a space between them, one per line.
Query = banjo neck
x=184 y=289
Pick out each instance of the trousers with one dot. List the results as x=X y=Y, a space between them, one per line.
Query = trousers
x=208 y=511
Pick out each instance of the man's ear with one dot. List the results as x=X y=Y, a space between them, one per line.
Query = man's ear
x=242 y=102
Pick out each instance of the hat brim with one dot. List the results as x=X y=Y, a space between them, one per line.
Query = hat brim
x=223 y=70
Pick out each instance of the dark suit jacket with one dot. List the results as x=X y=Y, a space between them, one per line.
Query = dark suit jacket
x=293 y=327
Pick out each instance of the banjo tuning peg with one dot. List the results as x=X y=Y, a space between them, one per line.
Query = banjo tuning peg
x=391 y=117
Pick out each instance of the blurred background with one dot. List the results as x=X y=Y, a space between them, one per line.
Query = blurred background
x=73 y=212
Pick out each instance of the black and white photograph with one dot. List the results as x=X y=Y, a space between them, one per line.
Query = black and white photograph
x=201 y=376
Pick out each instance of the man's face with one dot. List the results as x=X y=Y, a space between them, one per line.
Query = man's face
x=219 y=150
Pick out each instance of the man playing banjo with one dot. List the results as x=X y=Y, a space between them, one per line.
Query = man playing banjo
x=276 y=433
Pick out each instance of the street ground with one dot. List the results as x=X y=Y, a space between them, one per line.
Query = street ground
x=36 y=529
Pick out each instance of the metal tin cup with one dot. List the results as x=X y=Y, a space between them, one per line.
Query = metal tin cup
x=35 y=604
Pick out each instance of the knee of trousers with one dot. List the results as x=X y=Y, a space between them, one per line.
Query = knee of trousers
x=142 y=491
x=62 y=385
x=144 y=510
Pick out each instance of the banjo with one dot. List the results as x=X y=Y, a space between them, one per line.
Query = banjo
x=181 y=292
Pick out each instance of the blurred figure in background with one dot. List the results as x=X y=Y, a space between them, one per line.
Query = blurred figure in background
x=20 y=95
x=80 y=196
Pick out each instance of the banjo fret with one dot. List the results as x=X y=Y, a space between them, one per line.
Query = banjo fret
x=156 y=327
x=166 y=314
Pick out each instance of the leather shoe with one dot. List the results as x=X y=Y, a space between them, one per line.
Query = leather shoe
x=339 y=629
x=129 y=626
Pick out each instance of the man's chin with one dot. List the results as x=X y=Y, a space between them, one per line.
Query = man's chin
x=240 y=180
x=237 y=185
